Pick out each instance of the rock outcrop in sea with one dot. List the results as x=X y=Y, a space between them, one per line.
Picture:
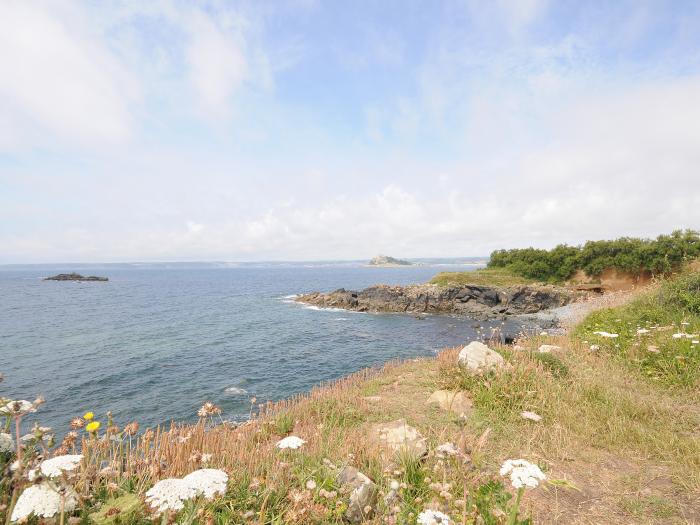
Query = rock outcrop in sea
x=75 y=277
x=385 y=260
x=475 y=301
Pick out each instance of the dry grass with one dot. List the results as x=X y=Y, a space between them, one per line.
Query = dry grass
x=617 y=446
x=483 y=276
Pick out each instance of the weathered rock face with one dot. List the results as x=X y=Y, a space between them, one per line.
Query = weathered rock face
x=363 y=494
x=478 y=302
x=479 y=358
x=74 y=277
x=456 y=402
x=399 y=437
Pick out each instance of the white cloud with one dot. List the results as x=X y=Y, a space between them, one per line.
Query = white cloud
x=217 y=61
x=58 y=81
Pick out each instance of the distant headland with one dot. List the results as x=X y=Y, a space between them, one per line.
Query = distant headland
x=75 y=277
x=386 y=261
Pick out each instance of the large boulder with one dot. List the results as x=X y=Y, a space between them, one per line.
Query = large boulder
x=399 y=437
x=456 y=402
x=479 y=358
x=363 y=494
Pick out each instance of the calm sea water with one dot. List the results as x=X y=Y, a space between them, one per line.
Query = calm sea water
x=155 y=342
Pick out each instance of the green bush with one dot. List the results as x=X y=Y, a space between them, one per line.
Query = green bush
x=659 y=256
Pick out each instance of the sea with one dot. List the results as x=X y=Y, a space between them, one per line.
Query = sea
x=158 y=340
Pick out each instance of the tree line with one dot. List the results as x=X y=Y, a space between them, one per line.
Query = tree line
x=635 y=256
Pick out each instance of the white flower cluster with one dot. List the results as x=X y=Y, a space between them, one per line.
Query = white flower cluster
x=522 y=473
x=7 y=444
x=208 y=482
x=172 y=493
x=18 y=408
x=292 y=442
x=43 y=501
x=433 y=517
x=55 y=467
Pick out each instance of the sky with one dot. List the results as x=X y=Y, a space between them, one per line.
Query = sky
x=315 y=130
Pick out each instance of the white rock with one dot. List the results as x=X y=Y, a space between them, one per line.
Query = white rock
x=447 y=449
x=531 y=416
x=545 y=349
x=398 y=436
x=478 y=357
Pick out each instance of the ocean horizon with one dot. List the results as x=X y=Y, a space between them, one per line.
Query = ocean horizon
x=156 y=342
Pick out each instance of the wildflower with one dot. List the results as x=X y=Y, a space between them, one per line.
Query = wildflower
x=292 y=442
x=169 y=494
x=132 y=428
x=523 y=474
x=207 y=482
x=595 y=348
x=311 y=484
x=77 y=422
x=54 y=467
x=89 y=416
x=433 y=517
x=93 y=426
x=18 y=408
x=44 y=501
x=206 y=458
x=7 y=444
x=208 y=409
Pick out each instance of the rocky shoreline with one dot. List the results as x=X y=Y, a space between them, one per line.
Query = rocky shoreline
x=475 y=301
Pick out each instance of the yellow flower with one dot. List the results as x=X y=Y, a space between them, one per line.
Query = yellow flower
x=89 y=416
x=93 y=427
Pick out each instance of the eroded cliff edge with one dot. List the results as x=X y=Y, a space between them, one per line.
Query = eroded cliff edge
x=476 y=301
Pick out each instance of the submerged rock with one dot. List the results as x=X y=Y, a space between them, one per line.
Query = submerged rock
x=478 y=358
x=363 y=494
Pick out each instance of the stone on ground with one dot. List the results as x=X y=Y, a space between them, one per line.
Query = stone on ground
x=398 y=436
x=545 y=349
x=363 y=494
x=478 y=357
x=531 y=416
x=456 y=402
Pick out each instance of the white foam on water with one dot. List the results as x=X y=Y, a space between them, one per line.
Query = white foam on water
x=235 y=390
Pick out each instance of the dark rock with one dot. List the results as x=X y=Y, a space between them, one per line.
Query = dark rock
x=480 y=302
x=75 y=277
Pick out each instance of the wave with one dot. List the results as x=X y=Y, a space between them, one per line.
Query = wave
x=234 y=390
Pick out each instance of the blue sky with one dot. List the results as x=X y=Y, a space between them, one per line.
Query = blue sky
x=305 y=129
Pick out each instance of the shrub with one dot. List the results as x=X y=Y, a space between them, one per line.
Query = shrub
x=660 y=256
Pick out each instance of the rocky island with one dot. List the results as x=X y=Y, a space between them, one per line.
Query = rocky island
x=386 y=261
x=75 y=277
x=476 y=301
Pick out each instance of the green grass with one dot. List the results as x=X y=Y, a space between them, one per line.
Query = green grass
x=484 y=276
x=672 y=308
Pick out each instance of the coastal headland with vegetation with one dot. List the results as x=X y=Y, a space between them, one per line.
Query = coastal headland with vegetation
x=596 y=425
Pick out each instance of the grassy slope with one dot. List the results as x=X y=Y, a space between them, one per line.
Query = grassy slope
x=483 y=276
x=625 y=441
